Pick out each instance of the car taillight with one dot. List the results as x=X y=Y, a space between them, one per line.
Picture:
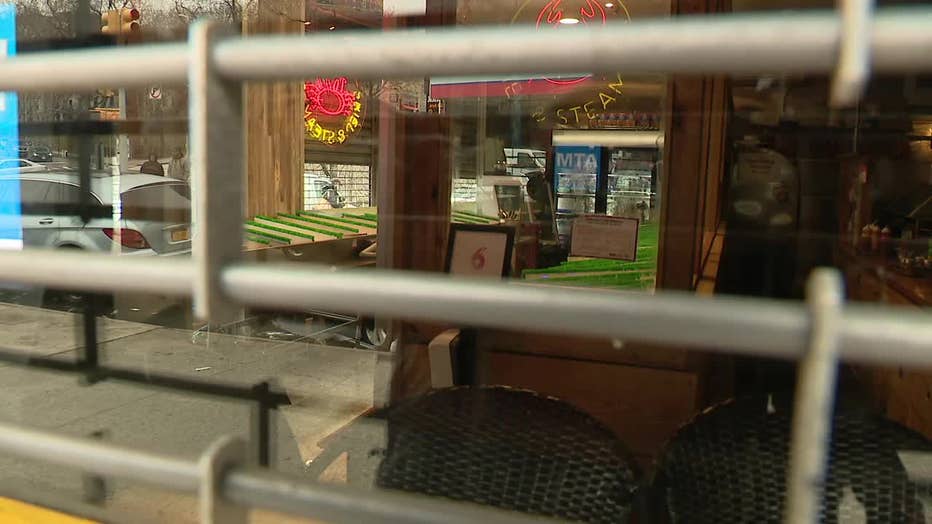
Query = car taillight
x=128 y=238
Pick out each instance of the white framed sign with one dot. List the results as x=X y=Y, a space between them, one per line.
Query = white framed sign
x=600 y=236
x=483 y=251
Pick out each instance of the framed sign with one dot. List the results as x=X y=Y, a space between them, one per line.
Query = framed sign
x=600 y=236
x=475 y=250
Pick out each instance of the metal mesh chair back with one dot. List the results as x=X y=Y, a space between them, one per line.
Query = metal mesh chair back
x=510 y=449
x=729 y=465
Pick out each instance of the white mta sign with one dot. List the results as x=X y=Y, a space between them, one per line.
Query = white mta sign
x=577 y=159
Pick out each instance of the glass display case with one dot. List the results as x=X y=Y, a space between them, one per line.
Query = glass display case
x=632 y=182
x=612 y=180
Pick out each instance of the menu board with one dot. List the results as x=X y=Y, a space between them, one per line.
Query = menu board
x=600 y=236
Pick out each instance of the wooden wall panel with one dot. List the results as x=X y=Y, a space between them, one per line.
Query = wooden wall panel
x=274 y=122
x=682 y=184
x=414 y=221
x=644 y=407
x=694 y=136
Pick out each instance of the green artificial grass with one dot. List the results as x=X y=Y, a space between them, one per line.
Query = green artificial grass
x=305 y=227
x=335 y=218
x=277 y=238
x=476 y=215
x=468 y=220
x=319 y=222
x=258 y=240
x=362 y=217
x=619 y=274
x=253 y=223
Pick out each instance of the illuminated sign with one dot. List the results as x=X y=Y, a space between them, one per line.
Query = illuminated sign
x=332 y=112
x=563 y=14
x=552 y=14
x=588 y=110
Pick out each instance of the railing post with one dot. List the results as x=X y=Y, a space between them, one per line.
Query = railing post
x=814 y=400
x=217 y=174
x=853 y=69
x=218 y=460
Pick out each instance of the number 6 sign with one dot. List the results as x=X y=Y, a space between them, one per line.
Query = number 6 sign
x=475 y=250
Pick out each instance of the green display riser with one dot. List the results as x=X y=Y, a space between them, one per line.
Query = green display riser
x=282 y=230
x=297 y=226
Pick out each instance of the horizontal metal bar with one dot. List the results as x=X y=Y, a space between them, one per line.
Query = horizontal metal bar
x=93 y=456
x=253 y=488
x=97 y=272
x=90 y=69
x=730 y=324
x=733 y=43
x=328 y=503
x=800 y=42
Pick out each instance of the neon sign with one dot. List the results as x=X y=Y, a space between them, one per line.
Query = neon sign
x=332 y=113
x=590 y=109
x=556 y=15
x=552 y=14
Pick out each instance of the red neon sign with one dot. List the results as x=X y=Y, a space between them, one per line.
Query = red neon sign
x=329 y=96
x=332 y=113
x=553 y=15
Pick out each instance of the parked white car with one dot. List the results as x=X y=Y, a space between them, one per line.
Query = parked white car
x=20 y=165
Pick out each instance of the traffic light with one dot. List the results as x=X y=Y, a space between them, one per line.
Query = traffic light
x=121 y=23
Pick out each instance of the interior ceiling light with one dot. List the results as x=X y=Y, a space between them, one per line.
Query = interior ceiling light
x=609 y=5
x=569 y=21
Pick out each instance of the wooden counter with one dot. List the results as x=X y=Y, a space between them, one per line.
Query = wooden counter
x=870 y=278
x=903 y=393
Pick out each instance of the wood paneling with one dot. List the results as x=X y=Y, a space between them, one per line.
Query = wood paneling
x=644 y=407
x=592 y=349
x=693 y=166
x=420 y=217
x=274 y=122
x=414 y=221
x=903 y=393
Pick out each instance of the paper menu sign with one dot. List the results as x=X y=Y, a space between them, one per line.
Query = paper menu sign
x=479 y=253
x=600 y=236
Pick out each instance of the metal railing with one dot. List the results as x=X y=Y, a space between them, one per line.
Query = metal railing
x=896 y=41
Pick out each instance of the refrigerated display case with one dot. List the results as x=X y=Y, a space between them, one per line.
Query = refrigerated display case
x=613 y=176
x=632 y=182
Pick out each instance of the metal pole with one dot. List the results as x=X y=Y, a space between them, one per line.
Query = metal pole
x=122 y=138
x=853 y=69
x=217 y=174
x=82 y=70
x=220 y=479
x=731 y=43
x=728 y=324
x=734 y=43
x=329 y=503
x=815 y=395
x=98 y=272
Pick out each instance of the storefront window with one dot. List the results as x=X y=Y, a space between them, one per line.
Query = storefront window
x=580 y=188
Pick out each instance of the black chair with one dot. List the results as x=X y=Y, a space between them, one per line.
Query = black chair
x=729 y=465
x=501 y=447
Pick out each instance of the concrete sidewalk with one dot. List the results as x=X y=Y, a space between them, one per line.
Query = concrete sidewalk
x=328 y=386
